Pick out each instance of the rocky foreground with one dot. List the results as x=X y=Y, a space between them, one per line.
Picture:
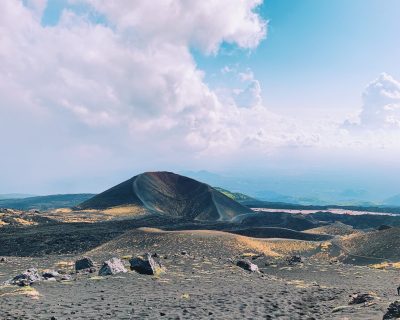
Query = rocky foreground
x=181 y=284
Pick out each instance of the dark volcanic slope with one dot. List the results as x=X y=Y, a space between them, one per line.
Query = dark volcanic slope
x=170 y=194
x=373 y=246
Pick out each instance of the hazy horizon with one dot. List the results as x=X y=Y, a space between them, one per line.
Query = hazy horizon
x=296 y=98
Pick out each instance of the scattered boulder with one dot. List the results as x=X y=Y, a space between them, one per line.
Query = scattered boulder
x=3 y=260
x=27 y=278
x=361 y=298
x=146 y=265
x=393 y=311
x=112 y=266
x=247 y=265
x=383 y=227
x=65 y=277
x=51 y=274
x=85 y=264
x=294 y=259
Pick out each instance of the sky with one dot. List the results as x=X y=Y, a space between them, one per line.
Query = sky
x=278 y=92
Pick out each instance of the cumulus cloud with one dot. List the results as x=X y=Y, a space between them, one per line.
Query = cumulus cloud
x=204 y=24
x=381 y=103
x=124 y=89
x=122 y=82
x=377 y=124
x=250 y=96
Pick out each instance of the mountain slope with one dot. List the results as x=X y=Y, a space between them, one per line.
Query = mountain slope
x=169 y=194
x=16 y=196
x=393 y=201
x=237 y=196
x=45 y=202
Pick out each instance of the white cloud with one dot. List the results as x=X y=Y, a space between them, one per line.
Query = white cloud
x=250 y=96
x=129 y=89
x=381 y=103
x=377 y=124
x=120 y=86
x=37 y=6
x=204 y=24
x=227 y=69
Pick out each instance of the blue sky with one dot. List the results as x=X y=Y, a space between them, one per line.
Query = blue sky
x=304 y=90
x=319 y=55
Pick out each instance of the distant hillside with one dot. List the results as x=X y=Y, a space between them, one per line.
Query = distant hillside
x=237 y=196
x=293 y=206
x=393 y=201
x=46 y=202
x=169 y=194
x=362 y=221
x=15 y=196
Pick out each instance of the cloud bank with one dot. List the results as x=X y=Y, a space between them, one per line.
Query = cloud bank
x=115 y=84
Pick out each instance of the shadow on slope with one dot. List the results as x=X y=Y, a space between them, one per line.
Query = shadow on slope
x=371 y=247
x=73 y=238
x=297 y=222
x=268 y=232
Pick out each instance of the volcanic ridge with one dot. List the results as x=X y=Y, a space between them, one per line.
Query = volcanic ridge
x=167 y=193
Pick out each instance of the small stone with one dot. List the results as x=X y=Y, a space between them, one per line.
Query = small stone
x=247 y=265
x=65 y=277
x=361 y=298
x=294 y=259
x=50 y=274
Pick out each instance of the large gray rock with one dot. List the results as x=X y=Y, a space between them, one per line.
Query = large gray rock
x=27 y=278
x=146 y=265
x=84 y=264
x=112 y=266
x=393 y=312
x=247 y=265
